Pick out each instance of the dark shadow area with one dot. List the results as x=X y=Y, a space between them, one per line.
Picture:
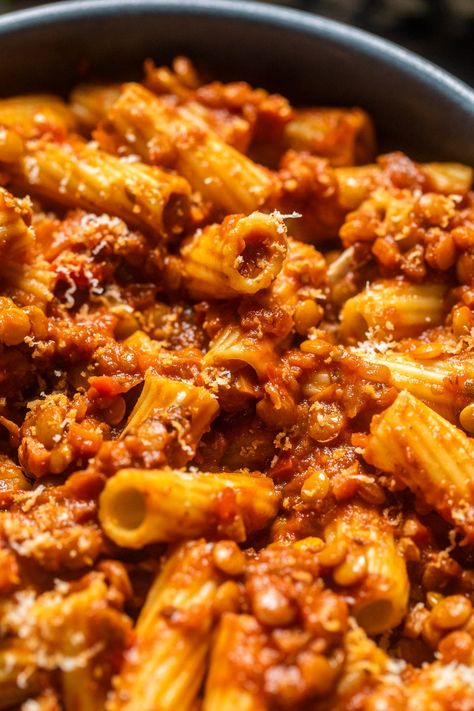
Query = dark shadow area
x=440 y=30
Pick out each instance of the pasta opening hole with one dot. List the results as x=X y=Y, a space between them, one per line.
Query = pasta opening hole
x=175 y=214
x=376 y=616
x=357 y=326
x=254 y=258
x=128 y=508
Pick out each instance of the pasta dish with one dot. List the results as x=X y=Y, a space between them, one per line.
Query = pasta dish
x=236 y=406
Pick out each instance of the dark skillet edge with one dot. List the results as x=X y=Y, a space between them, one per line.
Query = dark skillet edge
x=452 y=100
x=252 y=11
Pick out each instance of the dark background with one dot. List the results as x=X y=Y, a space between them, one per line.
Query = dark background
x=440 y=30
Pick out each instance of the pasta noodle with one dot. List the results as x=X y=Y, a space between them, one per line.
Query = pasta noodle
x=162 y=133
x=394 y=310
x=11 y=145
x=76 y=174
x=345 y=136
x=241 y=256
x=165 y=668
x=35 y=115
x=189 y=409
x=381 y=597
x=355 y=183
x=138 y=507
x=441 y=383
x=430 y=455
x=224 y=691
x=81 y=691
x=231 y=346
x=22 y=268
x=90 y=102
x=15 y=660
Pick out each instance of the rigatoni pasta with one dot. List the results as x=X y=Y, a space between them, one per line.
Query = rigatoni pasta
x=224 y=689
x=174 y=135
x=185 y=407
x=232 y=347
x=442 y=383
x=22 y=268
x=76 y=174
x=393 y=310
x=429 y=454
x=16 y=660
x=138 y=507
x=372 y=566
x=241 y=256
x=90 y=102
x=34 y=115
x=236 y=406
x=166 y=666
x=344 y=136
x=11 y=145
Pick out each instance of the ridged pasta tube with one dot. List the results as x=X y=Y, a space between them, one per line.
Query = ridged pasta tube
x=20 y=266
x=233 y=346
x=34 y=115
x=224 y=689
x=449 y=178
x=380 y=598
x=188 y=408
x=439 y=382
x=19 y=675
x=16 y=234
x=90 y=102
x=76 y=174
x=242 y=255
x=81 y=691
x=165 y=668
x=343 y=136
x=159 y=132
x=140 y=506
x=393 y=309
x=355 y=183
x=431 y=456
x=11 y=145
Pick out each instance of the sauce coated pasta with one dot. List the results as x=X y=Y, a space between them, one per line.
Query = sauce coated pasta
x=236 y=406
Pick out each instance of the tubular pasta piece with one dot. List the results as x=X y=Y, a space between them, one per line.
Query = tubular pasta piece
x=77 y=174
x=355 y=183
x=440 y=383
x=242 y=255
x=19 y=675
x=16 y=234
x=449 y=178
x=344 y=136
x=364 y=664
x=393 y=309
x=380 y=600
x=75 y=631
x=427 y=453
x=81 y=691
x=165 y=668
x=224 y=690
x=159 y=132
x=233 y=346
x=20 y=265
x=190 y=408
x=34 y=115
x=140 y=506
x=11 y=145
x=90 y=102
